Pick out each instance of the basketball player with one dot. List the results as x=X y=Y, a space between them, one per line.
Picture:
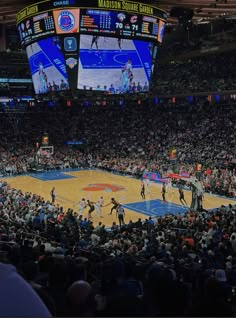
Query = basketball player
x=130 y=76
x=115 y=205
x=181 y=196
x=82 y=205
x=53 y=194
x=43 y=79
x=169 y=183
x=163 y=191
x=91 y=208
x=125 y=80
x=119 y=43
x=98 y=206
x=56 y=42
x=94 y=41
x=142 y=193
x=129 y=66
x=147 y=182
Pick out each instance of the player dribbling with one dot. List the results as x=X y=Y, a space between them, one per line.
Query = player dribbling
x=91 y=208
x=98 y=206
x=82 y=205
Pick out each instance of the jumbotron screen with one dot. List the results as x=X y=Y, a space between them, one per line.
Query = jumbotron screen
x=97 y=43
x=114 y=64
x=47 y=66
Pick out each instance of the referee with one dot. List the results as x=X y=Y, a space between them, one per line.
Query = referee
x=181 y=196
x=121 y=214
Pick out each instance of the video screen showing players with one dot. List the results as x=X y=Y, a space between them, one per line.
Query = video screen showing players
x=113 y=64
x=47 y=65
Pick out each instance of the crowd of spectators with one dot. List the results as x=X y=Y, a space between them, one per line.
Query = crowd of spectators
x=177 y=44
x=215 y=72
x=128 y=140
x=14 y=65
x=169 y=266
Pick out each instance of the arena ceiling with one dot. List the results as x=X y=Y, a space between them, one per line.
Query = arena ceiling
x=203 y=9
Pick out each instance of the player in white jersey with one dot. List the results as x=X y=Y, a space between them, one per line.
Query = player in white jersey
x=98 y=206
x=129 y=66
x=82 y=206
x=169 y=184
x=146 y=183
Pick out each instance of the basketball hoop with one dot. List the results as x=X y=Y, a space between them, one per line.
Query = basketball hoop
x=46 y=151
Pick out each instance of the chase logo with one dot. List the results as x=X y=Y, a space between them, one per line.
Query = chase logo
x=66 y=21
x=63 y=3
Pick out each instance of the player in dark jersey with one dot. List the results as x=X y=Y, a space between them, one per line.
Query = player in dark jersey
x=91 y=208
x=53 y=194
x=142 y=193
x=115 y=205
x=119 y=43
x=181 y=196
x=94 y=41
x=163 y=192
x=130 y=76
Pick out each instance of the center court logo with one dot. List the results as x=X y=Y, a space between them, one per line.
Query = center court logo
x=66 y=21
x=107 y=187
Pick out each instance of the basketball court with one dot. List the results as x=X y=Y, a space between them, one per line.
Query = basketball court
x=73 y=185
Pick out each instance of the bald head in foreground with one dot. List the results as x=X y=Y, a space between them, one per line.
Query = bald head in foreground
x=80 y=300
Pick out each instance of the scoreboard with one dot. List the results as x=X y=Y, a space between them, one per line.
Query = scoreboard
x=124 y=19
x=71 y=44
x=119 y=24
x=34 y=28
